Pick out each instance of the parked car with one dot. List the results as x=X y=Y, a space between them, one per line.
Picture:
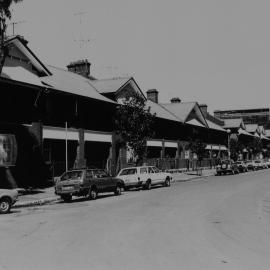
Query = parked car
x=251 y=165
x=267 y=163
x=259 y=164
x=88 y=183
x=144 y=176
x=7 y=198
x=227 y=166
x=242 y=166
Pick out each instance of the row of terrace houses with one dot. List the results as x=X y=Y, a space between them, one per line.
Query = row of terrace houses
x=60 y=118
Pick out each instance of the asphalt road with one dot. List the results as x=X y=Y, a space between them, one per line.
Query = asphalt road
x=212 y=223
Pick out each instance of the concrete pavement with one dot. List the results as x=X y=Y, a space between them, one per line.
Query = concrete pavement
x=45 y=196
x=218 y=224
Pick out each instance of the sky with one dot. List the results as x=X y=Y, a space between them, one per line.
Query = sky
x=212 y=51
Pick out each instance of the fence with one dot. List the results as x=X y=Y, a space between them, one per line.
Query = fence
x=184 y=164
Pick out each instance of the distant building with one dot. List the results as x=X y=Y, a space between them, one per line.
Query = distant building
x=260 y=116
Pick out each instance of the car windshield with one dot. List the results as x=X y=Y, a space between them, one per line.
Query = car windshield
x=257 y=161
x=71 y=175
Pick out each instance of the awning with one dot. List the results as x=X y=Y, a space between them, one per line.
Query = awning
x=216 y=147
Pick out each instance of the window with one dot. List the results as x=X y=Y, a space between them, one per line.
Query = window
x=99 y=174
x=143 y=170
x=156 y=170
x=132 y=171
x=124 y=172
x=89 y=174
x=72 y=175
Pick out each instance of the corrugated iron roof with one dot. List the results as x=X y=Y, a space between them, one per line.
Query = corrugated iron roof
x=110 y=85
x=233 y=123
x=73 y=83
x=160 y=111
x=21 y=74
x=214 y=126
x=252 y=127
x=180 y=110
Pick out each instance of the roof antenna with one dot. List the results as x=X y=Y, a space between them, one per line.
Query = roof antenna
x=15 y=23
x=81 y=41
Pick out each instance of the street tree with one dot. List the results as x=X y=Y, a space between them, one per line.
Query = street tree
x=197 y=146
x=256 y=145
x=133 y=123
x=5 y=14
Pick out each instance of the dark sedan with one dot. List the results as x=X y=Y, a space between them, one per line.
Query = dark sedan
x=88 y=183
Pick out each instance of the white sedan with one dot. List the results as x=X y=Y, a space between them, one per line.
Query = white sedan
x=144 y=176
x=7 y=198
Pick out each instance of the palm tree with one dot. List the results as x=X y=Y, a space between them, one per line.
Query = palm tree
x=5 y=14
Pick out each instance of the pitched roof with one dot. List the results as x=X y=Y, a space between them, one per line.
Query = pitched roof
x=261 y=129
x=244 y=132
x=213 y=125
x=180 y=110
x=233 y=123
x=267 y=132
x=21 y=74
x=21 y=44
x=70 y=82
x=183 y=110
x=252 y=127
x=161 y=111
x=110 y=85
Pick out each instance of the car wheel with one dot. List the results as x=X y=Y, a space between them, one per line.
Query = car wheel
x=66 y=198
x=167 y=182
x=93 y=194
x=117 y=191
x=5 y=205
x=148 y=185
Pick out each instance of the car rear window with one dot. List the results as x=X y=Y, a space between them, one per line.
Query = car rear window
x=128 y=171
x=99 y=174
x=71 y=175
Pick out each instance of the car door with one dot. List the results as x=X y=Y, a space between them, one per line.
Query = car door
x=101 y=180
x=133 y=177
x=154 y=176
x=158 y=175
x=143 y=174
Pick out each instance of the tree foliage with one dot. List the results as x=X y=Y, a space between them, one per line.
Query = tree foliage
x=133 y=122
x=5 y=14
x=256 y=145
x=197 y=146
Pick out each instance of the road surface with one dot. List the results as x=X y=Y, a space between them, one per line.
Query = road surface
x=211 y=223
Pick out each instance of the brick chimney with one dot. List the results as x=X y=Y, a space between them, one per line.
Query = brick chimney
x=203 y=108
x=152 y=94
x=81 y=67
x=176 y=100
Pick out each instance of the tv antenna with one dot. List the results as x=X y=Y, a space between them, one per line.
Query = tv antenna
x=81 y=40
x=15 y=23
x=80 y=14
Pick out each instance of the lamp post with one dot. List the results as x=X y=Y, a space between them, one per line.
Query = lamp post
x=229 y=132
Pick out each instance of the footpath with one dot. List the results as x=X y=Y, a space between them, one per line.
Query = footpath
x=37 y=197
